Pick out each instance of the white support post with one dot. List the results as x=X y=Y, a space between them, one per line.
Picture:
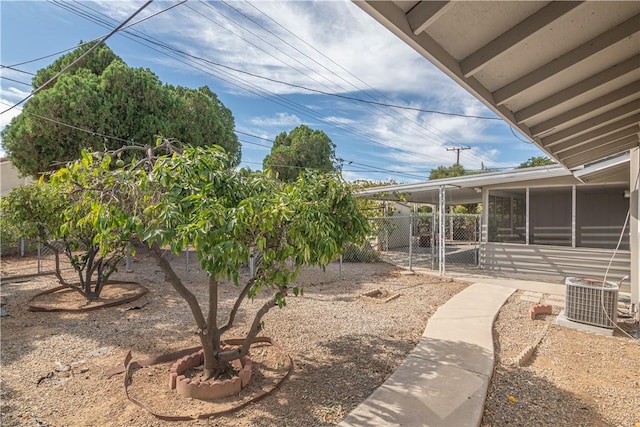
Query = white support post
x=527 y=226
x=441 y=232
x=634 y=218
x=484 y=231
x=574 y=208
x=484 y=227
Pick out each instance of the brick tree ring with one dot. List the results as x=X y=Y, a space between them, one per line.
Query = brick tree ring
x=208 y=390
x=129 y=365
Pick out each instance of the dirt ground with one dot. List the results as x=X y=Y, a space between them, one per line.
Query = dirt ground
x=343 y=346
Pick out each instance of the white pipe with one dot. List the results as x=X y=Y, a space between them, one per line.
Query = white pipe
x=634 y=204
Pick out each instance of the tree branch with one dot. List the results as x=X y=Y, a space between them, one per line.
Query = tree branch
x=212 y=319
x=236 y=306
x=176 y=283
x=243 y=350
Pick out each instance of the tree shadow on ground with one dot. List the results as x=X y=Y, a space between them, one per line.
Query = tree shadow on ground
x=33 y=344
x=528 y=407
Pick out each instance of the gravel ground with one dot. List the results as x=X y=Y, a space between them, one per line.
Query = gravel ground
x=343 y=347
x=574 y=378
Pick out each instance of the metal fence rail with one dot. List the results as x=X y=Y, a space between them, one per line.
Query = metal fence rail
x=32 y=260
x=406 y=241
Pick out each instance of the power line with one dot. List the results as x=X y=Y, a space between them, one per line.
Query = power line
x=91 y=49
x=173 y=49
x=372 y=168
x=369 y=168
x=223 y=67
x=458 y=150
x=416 y=128
x=15 y=69
x=46 y=56
x=339 y=66
x=518 y=138
x=88 y=131
x=15 y=81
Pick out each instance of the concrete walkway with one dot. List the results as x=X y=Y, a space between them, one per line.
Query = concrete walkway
x=444 y=381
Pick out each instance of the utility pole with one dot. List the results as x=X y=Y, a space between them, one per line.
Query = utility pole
x=458 y=150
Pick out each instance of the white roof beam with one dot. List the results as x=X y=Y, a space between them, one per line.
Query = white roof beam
x=395 y=19
x=515 y=35
x=601 y=151
x=587 y=156
x=594 y=122
x=593 y=82
x=603 y=41
x=615 y=96
x=562 y=148
x=597 y=133
x=424 y=14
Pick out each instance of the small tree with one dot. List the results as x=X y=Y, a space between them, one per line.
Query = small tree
x=63 y=220
x=194 y=198
x=302 y=148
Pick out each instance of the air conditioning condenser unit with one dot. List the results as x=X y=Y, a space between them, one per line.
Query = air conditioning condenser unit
x=589 y=301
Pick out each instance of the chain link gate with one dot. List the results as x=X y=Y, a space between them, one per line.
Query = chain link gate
x=413 y=241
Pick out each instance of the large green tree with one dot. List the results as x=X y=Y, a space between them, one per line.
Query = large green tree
x=301 y=149
x=192 y=198
x=103 y=95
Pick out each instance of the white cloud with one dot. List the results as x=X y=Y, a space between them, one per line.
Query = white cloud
x=13 y=95
x=279 y=120
x=339 y=120
x=5 y=118
x=356 y=52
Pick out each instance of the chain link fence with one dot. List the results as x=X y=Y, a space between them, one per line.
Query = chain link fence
x=410 y=241
x=32 y=259
x=413 y=241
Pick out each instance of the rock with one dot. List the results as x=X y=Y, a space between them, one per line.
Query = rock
x=101 y=351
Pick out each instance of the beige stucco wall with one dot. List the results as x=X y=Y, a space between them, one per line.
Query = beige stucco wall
x=10 y=177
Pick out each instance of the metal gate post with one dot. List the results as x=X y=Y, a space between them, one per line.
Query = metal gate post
x=476 y=233
x=186 y=267
x=410 y=242
x=433 y=242
x=39 y=257
x=127 y=263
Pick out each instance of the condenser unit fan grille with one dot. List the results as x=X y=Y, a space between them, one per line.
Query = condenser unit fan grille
x=588 y=301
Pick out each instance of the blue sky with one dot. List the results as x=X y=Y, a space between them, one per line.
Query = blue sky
x=327 y=46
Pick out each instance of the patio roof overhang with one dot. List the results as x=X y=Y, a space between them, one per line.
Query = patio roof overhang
x=565 y=74
x=468 y=188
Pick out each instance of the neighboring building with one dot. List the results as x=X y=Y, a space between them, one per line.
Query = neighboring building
x=10 y=177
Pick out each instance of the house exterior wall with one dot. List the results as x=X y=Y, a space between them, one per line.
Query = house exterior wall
x=601 y=214
x=554 y=261
x=10 y=177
